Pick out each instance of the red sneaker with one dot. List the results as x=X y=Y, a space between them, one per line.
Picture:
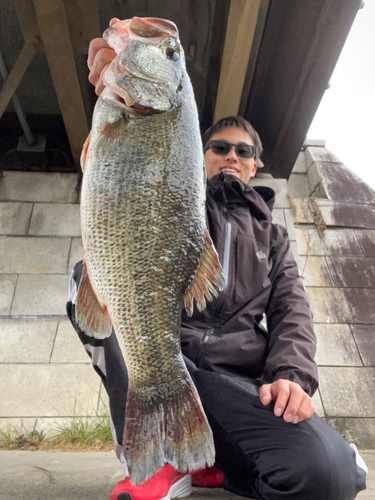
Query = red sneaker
x=166 y=484
x=209 y=477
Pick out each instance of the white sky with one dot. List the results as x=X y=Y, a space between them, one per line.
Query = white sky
x=346 y=115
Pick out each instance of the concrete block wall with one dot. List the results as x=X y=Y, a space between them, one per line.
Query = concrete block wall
x=45 y=372
x=334 y=227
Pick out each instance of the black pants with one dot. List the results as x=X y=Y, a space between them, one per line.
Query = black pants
x=261 y=455
x=265 y=457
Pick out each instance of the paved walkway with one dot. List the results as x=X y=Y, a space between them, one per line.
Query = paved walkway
x=91 y=476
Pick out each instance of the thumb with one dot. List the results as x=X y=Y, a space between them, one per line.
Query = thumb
x=265 y=394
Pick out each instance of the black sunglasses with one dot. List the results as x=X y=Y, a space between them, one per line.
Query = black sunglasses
x=222 y=147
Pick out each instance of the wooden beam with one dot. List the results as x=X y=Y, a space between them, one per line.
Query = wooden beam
x=16 y=74
x=53 y=26
x=27 y=19
x=84 y=23
x=257 y=40
x=82 y=16
x=243 y=15
x=216 y=42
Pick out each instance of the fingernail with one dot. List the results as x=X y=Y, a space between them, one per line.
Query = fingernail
x=288 y=417
x=295 y=420
x=266 y=400
x=278 y=412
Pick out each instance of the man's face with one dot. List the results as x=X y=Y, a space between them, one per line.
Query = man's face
x=243 y=168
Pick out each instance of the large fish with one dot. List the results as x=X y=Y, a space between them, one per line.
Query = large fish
x=146 y=246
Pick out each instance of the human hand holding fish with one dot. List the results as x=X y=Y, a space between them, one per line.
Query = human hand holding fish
x=99 y=58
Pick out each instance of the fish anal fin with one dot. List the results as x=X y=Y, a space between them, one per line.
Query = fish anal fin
x=208 y=275
x=84 y=152
x=171 y=430
x=92 y=318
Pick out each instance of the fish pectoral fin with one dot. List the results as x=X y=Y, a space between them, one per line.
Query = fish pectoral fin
x=114 y=130
x=111 y=133
x=208 y=275
x=85 y=149
x=91 y=317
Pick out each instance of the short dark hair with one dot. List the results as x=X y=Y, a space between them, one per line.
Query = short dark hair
x=234 y=121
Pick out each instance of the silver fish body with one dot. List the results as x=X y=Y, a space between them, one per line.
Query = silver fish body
x=144 y=236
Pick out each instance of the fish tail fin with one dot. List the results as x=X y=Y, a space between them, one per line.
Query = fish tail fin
x=208 y=275
x=174 y=430
x=91 y=317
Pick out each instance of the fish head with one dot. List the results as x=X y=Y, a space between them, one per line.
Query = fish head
x=147 y=73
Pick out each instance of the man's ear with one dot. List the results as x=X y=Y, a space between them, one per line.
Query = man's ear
x=254 y=169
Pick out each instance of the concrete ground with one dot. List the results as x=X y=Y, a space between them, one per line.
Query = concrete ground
x=91 y=476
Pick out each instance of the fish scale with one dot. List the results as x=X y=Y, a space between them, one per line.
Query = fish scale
x=144 y=234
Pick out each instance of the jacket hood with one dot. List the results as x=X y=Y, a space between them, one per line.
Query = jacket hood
x=226 y=188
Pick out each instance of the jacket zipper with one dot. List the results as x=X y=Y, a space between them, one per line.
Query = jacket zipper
x=226 y=260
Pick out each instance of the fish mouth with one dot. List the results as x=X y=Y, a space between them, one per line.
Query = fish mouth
x=126 y=101
x=151 y=28
x=120 y=99
x=134 y=105
x=120 y=95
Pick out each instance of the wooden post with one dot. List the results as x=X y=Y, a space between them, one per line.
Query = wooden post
x=83 y=22
x=243 y=15
x=53 y=26
x=27 y=19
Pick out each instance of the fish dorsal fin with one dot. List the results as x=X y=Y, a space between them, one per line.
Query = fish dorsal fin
x=84 y=151
x=91 y=317
x=208 y=275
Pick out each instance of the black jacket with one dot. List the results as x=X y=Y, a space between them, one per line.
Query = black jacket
x=261 y=278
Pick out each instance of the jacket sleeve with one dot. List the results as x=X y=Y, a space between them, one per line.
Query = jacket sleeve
x=292 y=342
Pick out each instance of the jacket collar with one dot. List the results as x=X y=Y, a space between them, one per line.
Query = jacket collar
x=226 y=188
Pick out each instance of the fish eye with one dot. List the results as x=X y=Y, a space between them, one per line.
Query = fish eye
x=172 y=54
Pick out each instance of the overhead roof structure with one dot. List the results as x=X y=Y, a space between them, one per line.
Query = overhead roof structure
x=267 y=60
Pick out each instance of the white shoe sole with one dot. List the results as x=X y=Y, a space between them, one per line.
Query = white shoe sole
x=181 y=489
x=359 y=460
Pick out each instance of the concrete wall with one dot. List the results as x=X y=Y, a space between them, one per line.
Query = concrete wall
x=334 y=215
x=46 y=374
